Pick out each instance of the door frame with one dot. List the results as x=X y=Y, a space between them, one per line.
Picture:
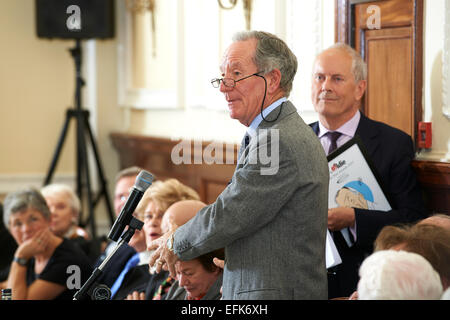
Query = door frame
x=345 y=32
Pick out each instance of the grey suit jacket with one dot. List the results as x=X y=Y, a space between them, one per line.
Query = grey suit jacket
x=272 y=225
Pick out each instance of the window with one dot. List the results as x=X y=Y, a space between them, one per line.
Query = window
x=190 y=39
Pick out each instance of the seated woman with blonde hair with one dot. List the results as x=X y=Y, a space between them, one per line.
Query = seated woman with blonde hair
x=45 y=266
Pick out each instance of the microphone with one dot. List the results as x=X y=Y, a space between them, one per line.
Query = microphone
x=143 y=181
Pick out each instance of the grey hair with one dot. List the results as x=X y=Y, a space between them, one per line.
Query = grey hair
x=22 y=200
x=398 y=275
x=272 y=53
x=57 y=189
x=359 y=66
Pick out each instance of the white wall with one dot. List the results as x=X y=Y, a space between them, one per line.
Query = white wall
x=435 y=31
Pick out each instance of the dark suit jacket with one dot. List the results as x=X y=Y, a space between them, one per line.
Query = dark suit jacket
x=136 y=279
x=115 y=265
x=391 y=151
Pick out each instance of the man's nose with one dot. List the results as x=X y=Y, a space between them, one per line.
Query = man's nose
x=326 y=84
x=223 y=88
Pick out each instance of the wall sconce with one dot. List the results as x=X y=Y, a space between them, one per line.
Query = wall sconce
x=247 y=9
x=139 y=6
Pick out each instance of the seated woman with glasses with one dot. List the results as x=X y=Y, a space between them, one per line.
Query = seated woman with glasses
x=45 y=266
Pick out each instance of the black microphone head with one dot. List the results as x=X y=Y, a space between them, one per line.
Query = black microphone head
x=143 y=180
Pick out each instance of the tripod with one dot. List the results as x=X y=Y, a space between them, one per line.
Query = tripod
x=83 y=130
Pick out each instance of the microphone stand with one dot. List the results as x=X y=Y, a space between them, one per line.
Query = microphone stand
x=100 y=291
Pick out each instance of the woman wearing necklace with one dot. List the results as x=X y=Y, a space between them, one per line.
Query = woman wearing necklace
x=45 y=266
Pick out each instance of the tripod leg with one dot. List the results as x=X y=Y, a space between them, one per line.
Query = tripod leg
x=85 y=166
x=104 y=189
x=58 y=149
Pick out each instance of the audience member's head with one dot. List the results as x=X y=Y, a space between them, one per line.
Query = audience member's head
x=438 y=219
x=65 y=209
x=180 y=212
x=124 y=181
x=338 y=84
x=25 y=213
x=157 y=198
x=196 y=276
x=430 y=241
x=398 y=275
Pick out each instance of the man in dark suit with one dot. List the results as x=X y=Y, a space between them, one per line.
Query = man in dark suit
x=124 y=182
x=338 y=85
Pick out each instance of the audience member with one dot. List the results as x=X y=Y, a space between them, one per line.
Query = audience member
x=43 y=262
x=339 y=80
x=267 y=203
x=9 y=246
x=429 y=240
x=158 y=197
x=124 y=182
x=398 y=275
x=199 y=278
x=439 y=219
x=65 y=210
x=196 y=279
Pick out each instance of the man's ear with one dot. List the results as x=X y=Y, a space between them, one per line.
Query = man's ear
x=360 y=89
x=273 y=80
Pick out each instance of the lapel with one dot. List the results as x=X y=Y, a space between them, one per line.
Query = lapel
x=315 y=127
x=369 y=134
x=367 y=130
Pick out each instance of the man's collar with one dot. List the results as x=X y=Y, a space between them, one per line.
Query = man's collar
x=255 y=123
x=348 y=128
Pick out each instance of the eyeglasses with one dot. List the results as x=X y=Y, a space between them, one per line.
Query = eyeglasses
x=228 y=82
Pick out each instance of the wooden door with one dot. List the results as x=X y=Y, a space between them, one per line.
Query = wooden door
x=388 y=34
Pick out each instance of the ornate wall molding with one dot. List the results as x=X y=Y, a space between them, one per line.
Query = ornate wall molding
x=140 y=7
x=230 y=4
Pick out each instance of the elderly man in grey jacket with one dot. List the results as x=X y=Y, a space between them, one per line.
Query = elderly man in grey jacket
x=272 y=217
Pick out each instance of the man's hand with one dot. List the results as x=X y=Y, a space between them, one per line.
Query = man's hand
x=163 y=258
x=136 y=296
x=340 y=218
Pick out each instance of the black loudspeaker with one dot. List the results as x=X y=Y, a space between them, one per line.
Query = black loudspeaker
x=75 y=19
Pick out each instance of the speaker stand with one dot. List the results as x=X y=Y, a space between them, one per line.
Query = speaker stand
x=83 y=137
